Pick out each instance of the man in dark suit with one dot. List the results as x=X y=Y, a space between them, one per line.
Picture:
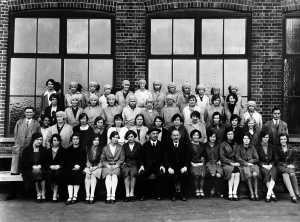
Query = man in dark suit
x=151 y=164
x=176 y=160
x=276 y=126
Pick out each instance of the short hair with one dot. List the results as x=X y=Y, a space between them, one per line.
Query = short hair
x=130 y=132
x=196 y=114
x=215 y=97
x=210 y=132
x=235 y=116
x=54 y=95
x=50 y=80
x=160 y=118
x=192 y=97
x=29 y=107
x=61 y=113
x=284 y=134
x=82 y=115
x=97 y=119
x=113 y=134
x=118 y=117
x=233 y=95
x=57 y=136
x=247 y=134
x=275 y=108
x=97 y=85
x=263 y=133
x=75 y=134
x=215 y=114
x=43 y=118
x=175 y=116
x=195 y=131
x=139 y=115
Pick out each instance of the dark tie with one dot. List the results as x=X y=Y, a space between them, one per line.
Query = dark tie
x=138 y=134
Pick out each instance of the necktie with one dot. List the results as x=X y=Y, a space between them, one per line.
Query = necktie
x=138 y=134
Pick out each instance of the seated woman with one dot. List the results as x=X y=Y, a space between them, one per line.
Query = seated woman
x=93 y=168
x=75 y=160
x=248 y=158
x=267 y=160
x=33 y=165
x=132 y=151
x=286 y=166
x=213 y=162
x=198 y=156
x=140 y=129
x=55 y=157
x=112 y=158
x=230 y=164
x=117 y=127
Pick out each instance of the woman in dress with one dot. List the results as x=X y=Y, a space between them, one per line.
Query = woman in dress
x=232 y=107
x=189 y=108
x=149 y=112
x=230 y=164
x=158 y=96
x=213 y=162
x=216 y=106
x=112 y=158
x=198 y=125
x=131 y=163
x=118 y=127
x=267 y=161
x=45 y=124
x=53 y=108
x=140 y=129
x=253 y=130
x=93 y=109
x=235 y=121
x=142 y=94
x=198 y=157
x=55 y=157
x=252 y=113
x=75 y=160
x=248 y=158
x=286 y=166
x=33 y=165
x=100 y=130
x=75 y=91
x=217 y=125
x=169 y=110
x=111 y=110
x=178 y=125
x=50 y=90
x=93 y=168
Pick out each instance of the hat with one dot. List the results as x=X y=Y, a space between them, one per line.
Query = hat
x=111 y=96
x=93 y=96
x=130 y=132
x=169 y=96
x=131 y=98
x=153 y=129
x=186 y=84
x=94 y=83
x=107 y=86
x=156 y=82
x=142 y=81
x=73 y=83
x=172 y=84
x=234 y=87
x=201 y=86
x=251 y=103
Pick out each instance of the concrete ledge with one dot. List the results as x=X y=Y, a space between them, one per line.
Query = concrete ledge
x=5 y=176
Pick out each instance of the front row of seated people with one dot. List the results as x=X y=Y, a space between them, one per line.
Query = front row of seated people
x=156 y=161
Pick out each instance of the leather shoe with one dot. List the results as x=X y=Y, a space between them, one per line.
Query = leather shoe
x=183 y=198
x=173 y=198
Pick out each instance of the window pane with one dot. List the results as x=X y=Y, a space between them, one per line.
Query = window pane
x=16 y=110
x=75 y=70
x=183 y=36
x=22 y=76
x=48 y=35
x=47 y=69
x=101 y=71
x=234 y=36
x=77 y=36
x=25 y=35
x=212 y=36
x=100 y=36
x=161 y=36
x=236 y=73
x=184 y=71
x=160 y=70
x=293 y=36
x=211 y=73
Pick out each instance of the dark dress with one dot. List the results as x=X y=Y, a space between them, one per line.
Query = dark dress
x=85 y=136
x=238 y=135
x=132 y=159
x=212 y=157
x=284 y=159
x=94 y=160
x=184 y=136
x=58 y=158
x=103 y=137
x=267 y=158
x=74 y=156
x=30 y=158
x=220 y=131
x=228 y=156
x=197 y=156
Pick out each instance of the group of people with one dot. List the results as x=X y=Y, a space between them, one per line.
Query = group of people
x=153 y=139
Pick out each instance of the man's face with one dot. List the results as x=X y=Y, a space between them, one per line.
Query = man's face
x=126 y=86
x=154 y=135
x=276 y=114
x=29 y=113
x=175 y=135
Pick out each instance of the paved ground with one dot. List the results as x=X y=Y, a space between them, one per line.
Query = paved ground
x=151 y=210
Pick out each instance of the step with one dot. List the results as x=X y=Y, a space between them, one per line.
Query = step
x=5 y=176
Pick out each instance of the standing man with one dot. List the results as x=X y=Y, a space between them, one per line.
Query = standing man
x=276 y=126
x=23 y=132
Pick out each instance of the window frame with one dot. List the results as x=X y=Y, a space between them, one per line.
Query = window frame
x=62 y=15
x=198 y=15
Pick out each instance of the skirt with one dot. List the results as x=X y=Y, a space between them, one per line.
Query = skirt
x=97 y=172
x=213 y=168
x=228 y=170
x=247 y=171
x=55 y=176
x=268 y=174
x=110 y=171
x=38 y=174
x=129 y=170
x=198 y=170
x=74 y=177
x=282 y=168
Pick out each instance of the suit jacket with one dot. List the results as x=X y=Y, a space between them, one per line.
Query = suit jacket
x=246 y=155
x=285 y=158
x=23 y=133
x=152 y=157
x=108 y=158
x=177 y=157
x=65 y=134
x=274 y=132
x=74 y=156
x=71 y=119
x=228 y=153
x=59 y=159
x=132 y=158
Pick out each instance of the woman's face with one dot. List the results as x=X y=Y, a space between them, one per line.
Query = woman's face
x=156 y=87
x=73 y=89
x=111 y=101
x=169 y=102
x=55 y=142
x=38 y=141
x=46 y=122
x=172 y=89
x=130 y=138
x=158 y=123
x=192 y=102
x=139 y=121
x=149 y=105
x=186 y=89
x=201 y=91
x=195 y=119
x=54 y=101
x=142 y=85
x=231 y=100
x=75 y=140
x=83 y=120
x=100 y=124
x=217 y=102
x=196 y=137
x=92 y=88
x=74 y=102
x=213 y=138
x=234 y=122
x=107 y=91
x=96 y=141
x=118 y=122
x=246 y=140
x=59 y=119
x=283 y=140
x=177 y=122
x=115 y=139
x=216 y=119
x=251 y=108
x=265 y=139
x=50 y=85
x=93 y=102
x=251 y=124
x=230 y=135
x=126 y=87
